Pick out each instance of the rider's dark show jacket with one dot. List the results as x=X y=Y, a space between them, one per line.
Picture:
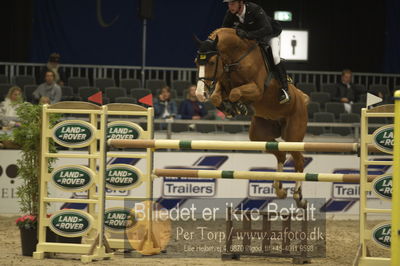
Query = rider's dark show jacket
x=257 y=23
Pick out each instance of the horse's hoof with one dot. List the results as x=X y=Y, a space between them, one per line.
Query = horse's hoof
x=300 y=201
x=281 y=193
x=301 y=204
x=297 y=196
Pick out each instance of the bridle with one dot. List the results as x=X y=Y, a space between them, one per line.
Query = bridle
x=202 y=60
x=204 y=57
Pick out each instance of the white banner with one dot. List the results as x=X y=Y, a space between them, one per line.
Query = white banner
x=341 y=199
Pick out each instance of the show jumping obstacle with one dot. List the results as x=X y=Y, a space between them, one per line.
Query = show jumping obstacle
x=93 y=178
x=281 y=176
x=395 y=238
x=69 y=222
x=238 y=145
x=99 y=246
x=368 y=144
x=380 y=234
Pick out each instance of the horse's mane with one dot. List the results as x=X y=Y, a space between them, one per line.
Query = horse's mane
x=214 y=33
x=230 y=33
x=222 y=31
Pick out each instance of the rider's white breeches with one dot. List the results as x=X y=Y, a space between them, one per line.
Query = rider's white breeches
x=275 y=44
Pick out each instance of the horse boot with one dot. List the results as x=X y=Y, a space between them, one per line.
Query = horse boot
x=240 y=108
x=282 y=76
x=227 y=108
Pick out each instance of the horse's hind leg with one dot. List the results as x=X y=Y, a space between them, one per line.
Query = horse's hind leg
x=267 y=130
x=279 y=190
x=295 y=130
x=299 y=167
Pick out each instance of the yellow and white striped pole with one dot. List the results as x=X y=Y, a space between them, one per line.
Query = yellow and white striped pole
x=236 y=145
x=283 y=176
x=395 y=238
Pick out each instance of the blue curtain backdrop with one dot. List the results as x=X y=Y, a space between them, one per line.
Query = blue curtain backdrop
x=392 y=42
x=109 y=32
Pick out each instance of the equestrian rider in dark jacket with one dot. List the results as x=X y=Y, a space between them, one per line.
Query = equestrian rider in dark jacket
x=251 y=22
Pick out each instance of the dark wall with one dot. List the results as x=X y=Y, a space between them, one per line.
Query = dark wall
x=359 y=35
x=170 y=32
x=110 y=31
x=392 y=47
x=87 y=32
x=15 y=28
x=342 y=34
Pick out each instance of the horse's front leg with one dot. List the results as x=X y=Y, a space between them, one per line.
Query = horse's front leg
x=216 y=96
x=217 y=99
x=248 y=92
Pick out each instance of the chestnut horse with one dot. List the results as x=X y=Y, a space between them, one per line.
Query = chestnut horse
x=232 y=70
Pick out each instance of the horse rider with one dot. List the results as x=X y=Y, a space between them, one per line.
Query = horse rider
x=251 y=22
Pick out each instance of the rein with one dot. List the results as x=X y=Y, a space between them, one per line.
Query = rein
x=228 y=68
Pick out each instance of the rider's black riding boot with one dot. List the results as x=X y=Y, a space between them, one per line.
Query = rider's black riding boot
x=282 y=76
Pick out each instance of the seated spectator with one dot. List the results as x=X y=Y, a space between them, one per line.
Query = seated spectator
x=191 y=108
x=53 y=64
x=49 y=89
x=164 y=106
x=8 y=107
x=44 y=100
x=345 y=90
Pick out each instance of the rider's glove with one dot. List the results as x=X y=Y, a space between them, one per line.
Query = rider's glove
x=241 y=33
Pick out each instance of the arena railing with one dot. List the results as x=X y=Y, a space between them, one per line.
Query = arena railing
x=170 y=74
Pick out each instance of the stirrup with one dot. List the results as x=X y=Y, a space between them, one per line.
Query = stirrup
x=284 y=99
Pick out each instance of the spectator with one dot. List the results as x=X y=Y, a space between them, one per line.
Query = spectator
x=191 y=108
x=53 y=64
x=49 y=89
x=9 y=107
x=164 y=106
x=44 y=100
x=345 y=90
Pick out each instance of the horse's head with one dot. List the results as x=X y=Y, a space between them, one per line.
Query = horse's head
x=208 y=66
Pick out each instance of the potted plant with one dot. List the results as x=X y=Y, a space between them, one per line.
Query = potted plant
x=28 y=228
x=28 y=138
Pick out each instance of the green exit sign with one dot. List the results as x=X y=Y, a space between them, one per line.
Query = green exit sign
x=283 y=15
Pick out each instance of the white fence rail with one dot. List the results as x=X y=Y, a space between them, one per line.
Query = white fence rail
x=170 y=74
